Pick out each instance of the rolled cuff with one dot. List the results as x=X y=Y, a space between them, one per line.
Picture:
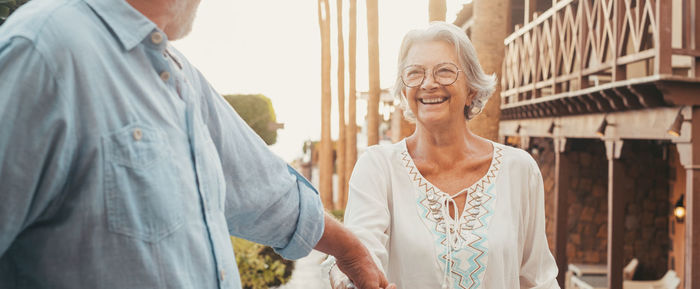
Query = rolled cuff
x=310 y=224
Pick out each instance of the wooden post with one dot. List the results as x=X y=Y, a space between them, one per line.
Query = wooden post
x=616 y=213
x=562 y=169
x=695 y=37
x=619 y=72
x=690 y=159
x=555 y=47
x=662 y=63
x=530 y=7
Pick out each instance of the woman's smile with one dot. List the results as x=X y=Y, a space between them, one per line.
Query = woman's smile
x=433 y=100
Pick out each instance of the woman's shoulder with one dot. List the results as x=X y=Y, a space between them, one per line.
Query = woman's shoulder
x=385 y=152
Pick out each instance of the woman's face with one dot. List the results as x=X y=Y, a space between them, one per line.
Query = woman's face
x=431 y=102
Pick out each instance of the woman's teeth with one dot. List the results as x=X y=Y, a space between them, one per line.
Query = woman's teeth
x=433 y=100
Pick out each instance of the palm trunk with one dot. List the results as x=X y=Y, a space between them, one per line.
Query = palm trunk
x=374 y=89
x=326 y=151
x=437 y=10
x=351 y=134
x=340 y=160
x=490 y=28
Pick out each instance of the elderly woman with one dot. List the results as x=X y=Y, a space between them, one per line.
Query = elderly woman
x=445 y=208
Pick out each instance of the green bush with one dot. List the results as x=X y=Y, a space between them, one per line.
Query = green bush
x=338 y=214
x=9 y=6
x=260 y=267
x=256 y=110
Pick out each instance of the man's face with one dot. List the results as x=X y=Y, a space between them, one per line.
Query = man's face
x=184 y=12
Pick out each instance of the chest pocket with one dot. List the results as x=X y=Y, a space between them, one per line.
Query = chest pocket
x=210 y=170
x=141 y=197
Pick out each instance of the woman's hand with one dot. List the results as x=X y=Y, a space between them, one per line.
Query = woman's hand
x=352 y=258
x=358 y=263
x=339 y=280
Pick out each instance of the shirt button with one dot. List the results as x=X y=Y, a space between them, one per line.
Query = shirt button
x=165 y=75
x=156 y=37
x=138 y=134
x=222 y=274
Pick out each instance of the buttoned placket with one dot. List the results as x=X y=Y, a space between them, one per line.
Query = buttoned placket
x=172 y=76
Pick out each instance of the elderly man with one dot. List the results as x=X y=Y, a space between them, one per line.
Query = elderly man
x=121 y=167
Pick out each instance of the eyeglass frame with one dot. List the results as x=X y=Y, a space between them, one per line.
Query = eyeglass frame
x=433 y=73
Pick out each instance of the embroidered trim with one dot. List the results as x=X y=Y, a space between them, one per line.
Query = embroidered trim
x=469 y=242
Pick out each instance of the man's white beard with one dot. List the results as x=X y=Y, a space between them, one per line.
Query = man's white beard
x=185 y=12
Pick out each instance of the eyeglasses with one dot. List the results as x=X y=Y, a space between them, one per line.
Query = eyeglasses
x=443 y=73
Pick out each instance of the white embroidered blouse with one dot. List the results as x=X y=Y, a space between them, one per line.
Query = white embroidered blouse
x=497 y=242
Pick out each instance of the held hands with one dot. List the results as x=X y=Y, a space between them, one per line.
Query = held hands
x=360 y=272
x=352 y=258
x=339 y=280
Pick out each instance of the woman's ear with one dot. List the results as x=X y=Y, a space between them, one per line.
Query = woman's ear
x=471 y=94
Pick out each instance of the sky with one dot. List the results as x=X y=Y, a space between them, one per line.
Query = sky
x=273 y=47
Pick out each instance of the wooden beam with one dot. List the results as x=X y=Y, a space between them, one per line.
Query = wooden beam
x=602 y=102
x=616 y=213
x=614 y=99
x=628 y=98
x=630 y=124
x=562 y=170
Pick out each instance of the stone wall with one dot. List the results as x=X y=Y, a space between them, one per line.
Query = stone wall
x=646 y=221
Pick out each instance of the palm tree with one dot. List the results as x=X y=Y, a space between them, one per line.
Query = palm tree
x=351 y=134
x=340 y=160
x=437 y=10
x=326 y=152
x=374 y=90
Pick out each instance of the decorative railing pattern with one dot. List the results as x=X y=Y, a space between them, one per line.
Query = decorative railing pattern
x=581 y=44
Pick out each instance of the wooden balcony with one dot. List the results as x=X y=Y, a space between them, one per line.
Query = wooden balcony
x=600 y=56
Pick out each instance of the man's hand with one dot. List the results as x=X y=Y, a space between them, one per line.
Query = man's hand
x=352 y=258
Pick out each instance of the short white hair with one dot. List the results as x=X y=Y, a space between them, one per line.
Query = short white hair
x=482 y=84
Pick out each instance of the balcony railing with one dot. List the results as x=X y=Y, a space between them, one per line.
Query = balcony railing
x=585 y=56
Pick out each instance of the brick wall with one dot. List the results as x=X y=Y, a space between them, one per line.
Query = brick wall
x=646 y=220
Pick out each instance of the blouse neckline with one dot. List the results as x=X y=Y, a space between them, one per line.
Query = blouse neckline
x=486 y=179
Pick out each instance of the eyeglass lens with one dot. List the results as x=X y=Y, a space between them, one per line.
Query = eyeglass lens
x=444 y=74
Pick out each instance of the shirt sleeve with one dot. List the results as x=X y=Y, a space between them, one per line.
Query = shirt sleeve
x=367 y=212
x=538 y=268
x=267 y=202
x=36 y=143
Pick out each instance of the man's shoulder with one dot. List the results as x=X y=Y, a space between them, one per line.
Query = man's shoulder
x=49 y=23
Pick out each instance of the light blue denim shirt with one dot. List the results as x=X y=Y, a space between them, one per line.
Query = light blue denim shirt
x=121 y=167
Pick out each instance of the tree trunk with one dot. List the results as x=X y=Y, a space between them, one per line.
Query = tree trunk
x=340 y=160
x=437 y=10
x=351 y=134
x=490 y=28
x=326 y=151
x=374 y=89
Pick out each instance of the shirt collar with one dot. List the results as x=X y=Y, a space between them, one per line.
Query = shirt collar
x=129 y=26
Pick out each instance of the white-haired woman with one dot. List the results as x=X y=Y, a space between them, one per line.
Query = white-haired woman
x=445 y=208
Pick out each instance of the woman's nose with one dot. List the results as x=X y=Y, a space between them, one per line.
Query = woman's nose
x=429 y=82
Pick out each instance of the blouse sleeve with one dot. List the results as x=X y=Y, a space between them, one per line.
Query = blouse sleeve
x=537 y=268
x=367 y=212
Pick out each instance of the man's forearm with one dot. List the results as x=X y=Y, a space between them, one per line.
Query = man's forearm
x=337 y=240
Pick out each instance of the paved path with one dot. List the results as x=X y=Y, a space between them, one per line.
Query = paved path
x=307 y=273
